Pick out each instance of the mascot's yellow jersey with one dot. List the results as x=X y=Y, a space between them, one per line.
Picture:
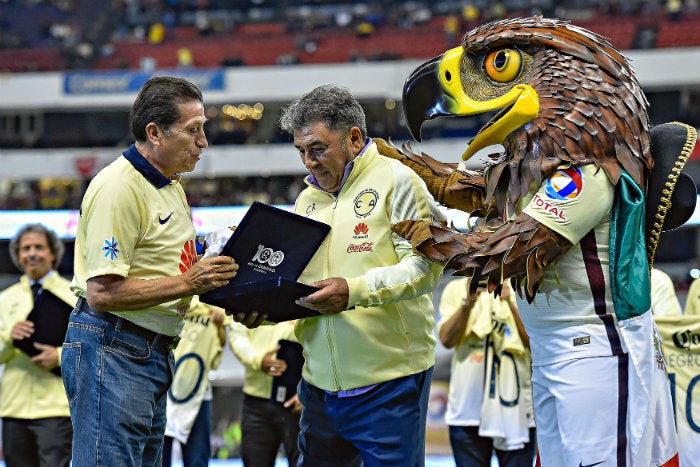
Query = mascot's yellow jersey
x=388 y=330
x=135 y=222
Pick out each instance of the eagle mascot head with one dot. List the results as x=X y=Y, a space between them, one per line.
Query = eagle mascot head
x=558 y=96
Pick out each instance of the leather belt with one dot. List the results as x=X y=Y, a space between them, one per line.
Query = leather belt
x=160 y=342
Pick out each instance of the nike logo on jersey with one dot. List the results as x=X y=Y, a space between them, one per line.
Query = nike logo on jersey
x=163 y=221
x=580 y=464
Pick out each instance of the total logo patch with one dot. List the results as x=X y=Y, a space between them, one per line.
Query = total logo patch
x=365 y=202
x=549 y=207
x=564 y=184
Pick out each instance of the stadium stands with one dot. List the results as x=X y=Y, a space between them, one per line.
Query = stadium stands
x=244 y=39
x=682 y=33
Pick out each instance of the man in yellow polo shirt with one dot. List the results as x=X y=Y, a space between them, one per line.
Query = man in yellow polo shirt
x=136 y=268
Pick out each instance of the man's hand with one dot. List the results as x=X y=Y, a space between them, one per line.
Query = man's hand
x=22 y=330
x=217 y=316
x=210 y=273
x=331 y=299
x=505 y=292
x=294 y=404
x=47 y=358
x=250 y=320
x=273 y=366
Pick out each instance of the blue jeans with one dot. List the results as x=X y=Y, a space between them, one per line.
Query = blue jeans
x=471 y=450
x=384 y=427
x=197 y=451
x=117 y=386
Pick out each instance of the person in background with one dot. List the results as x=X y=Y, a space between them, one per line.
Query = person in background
x=266 y=420
x=36 y=426
x=369 y=357
x=489 y=406
x=664 y=301
x=136 y=269
x=189 y=406
x=692 y=302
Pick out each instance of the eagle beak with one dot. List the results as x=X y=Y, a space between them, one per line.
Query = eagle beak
x=422 y=97
x=435 y=89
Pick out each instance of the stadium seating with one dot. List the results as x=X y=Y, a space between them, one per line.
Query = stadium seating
x=683 y=33
x=267 y=43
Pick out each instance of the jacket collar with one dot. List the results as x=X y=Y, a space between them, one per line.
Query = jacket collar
x=25 y=279
x=145 y=168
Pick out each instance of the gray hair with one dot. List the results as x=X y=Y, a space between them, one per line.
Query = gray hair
x=330 y=104
x=55 y=243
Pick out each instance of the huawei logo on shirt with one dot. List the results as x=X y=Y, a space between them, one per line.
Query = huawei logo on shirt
x=361 y=229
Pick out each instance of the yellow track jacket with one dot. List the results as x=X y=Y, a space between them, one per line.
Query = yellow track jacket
x=28 y=391
x=387 y=332
x=250 y=347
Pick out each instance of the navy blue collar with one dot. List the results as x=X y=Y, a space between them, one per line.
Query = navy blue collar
x=145 y=168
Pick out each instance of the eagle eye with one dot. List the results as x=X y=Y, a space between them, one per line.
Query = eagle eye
x=503 y=65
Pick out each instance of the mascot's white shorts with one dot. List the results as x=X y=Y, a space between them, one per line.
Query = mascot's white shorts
x=612 y=411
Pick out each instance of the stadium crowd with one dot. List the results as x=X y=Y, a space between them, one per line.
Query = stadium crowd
x=75 y=34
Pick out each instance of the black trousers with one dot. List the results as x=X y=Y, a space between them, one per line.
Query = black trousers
x=44 y=442
x=265 y=425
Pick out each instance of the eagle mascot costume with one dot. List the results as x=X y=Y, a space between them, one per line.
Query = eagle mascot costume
x=569 y=210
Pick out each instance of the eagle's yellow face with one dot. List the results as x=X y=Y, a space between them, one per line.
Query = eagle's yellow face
x=479 y=84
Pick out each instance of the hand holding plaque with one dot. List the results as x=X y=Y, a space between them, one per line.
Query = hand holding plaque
x=272 y=247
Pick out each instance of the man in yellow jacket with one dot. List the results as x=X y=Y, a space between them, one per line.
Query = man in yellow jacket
x=36 y=424
x=369 y=356
x=269 y=418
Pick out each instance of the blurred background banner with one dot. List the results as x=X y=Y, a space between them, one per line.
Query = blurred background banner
x=108 y=82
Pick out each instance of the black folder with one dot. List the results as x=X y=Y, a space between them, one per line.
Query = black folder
x=50 y=317
x=284 y=386
x=272 y=247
